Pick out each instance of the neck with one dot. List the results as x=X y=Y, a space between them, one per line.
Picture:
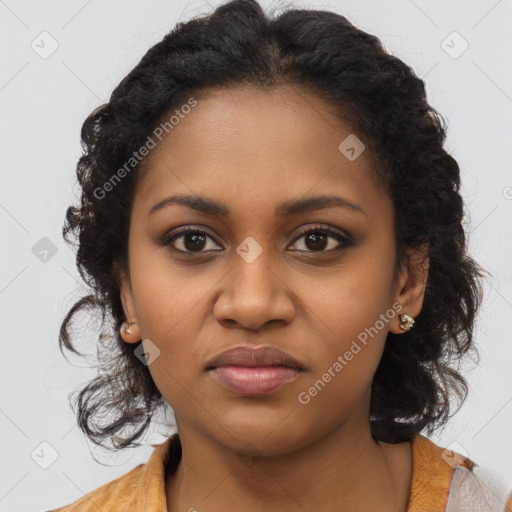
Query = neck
x=345 y=470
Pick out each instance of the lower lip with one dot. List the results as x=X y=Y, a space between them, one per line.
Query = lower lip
x=257 y=380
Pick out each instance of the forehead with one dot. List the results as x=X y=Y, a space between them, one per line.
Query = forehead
x=263 y=145
x=262 y=122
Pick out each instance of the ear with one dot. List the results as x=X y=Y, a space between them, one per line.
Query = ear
x=130 y=330
x=411 y=285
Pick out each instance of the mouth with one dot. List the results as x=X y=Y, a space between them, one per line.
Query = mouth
x=255 y=380
x=254 y=371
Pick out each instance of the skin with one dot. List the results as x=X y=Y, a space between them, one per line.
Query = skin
x=251 y=150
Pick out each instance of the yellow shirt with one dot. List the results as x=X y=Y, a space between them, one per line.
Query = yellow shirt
x=143 y=488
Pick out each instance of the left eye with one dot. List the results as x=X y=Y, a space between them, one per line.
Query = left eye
x=193 y=240
x=317 y=236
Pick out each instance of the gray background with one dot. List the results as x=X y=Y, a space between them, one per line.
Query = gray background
x=43 y=103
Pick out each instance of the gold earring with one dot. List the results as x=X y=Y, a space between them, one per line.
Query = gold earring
x=407 y=322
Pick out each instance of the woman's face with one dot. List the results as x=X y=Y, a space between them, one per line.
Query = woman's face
x=251 y=277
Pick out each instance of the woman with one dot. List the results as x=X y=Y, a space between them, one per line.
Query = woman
x=272 y=230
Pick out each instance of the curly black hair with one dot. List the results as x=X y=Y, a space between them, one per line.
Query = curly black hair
x=385 y=103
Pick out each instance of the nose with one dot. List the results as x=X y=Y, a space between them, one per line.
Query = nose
x=253 y=294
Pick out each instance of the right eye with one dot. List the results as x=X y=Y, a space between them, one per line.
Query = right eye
x=192 y=240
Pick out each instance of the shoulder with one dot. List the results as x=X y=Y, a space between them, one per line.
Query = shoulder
x=112 y=495
x=431 y=475
x=446 y=480
x=142 y=488
x=478 y=488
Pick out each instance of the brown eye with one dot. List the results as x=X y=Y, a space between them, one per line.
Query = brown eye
x=191 y=240
x=316 y=239
x=194 y=241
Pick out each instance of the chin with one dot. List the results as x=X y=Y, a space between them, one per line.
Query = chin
x=265 y=437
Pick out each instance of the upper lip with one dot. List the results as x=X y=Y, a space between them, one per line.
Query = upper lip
x=250 y=356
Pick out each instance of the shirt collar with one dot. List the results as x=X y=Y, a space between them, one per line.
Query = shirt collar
x=430 y=483
x=163 y=461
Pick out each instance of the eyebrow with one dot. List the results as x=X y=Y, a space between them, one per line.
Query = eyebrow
x=208 y=206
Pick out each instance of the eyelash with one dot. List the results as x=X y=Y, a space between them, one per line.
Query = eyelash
x=344 y=240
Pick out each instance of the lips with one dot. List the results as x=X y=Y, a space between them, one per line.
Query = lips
x=252 y=357
x=254 y=371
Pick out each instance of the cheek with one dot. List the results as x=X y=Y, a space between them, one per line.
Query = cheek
x=166 y=294
x=169 y=305
x=346 y=357
x=351 y=300
x=350 y=321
